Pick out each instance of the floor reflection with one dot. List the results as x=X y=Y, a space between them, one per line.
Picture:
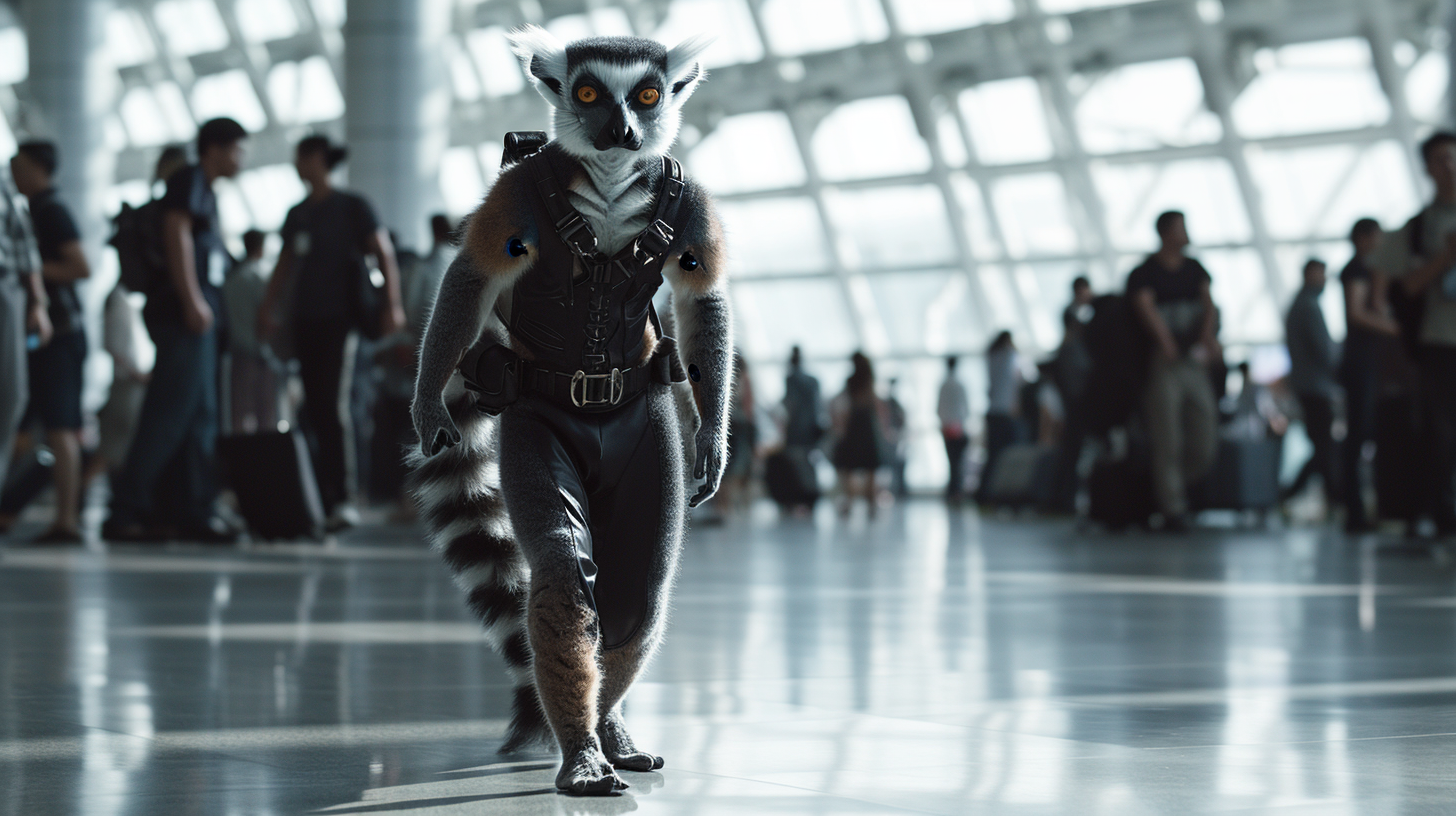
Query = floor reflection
x=928 y=661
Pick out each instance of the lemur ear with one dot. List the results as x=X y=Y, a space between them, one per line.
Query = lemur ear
x=544 y=58
x=683 y=69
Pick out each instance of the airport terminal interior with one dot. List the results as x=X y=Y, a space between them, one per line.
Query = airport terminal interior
x=1001 y=528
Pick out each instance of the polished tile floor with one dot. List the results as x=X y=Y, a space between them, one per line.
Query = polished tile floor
x=924 y=662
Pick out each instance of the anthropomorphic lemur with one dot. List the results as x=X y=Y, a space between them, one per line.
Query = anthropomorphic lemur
x=563 y=518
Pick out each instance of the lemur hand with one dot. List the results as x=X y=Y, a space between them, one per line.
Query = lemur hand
x=436 y=429
x=709 y=465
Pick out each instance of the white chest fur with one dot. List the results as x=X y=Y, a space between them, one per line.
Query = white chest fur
x=613 y=200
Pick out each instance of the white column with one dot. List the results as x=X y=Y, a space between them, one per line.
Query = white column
x=72 y=87
x=397 y=107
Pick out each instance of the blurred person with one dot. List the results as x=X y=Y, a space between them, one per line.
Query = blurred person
x=1420 y=259
x=327 y=239
x=895 y=437
x=742 y=439
x=803 y=406
x=1170 y=294
x=177 y=430
x=172 y=158
x=24 y=315
x=953 y=407
x=1369 y=328
x=1313 y=365
x=120 y=330
x=859 y=421
x=1003 y=427
x=419 y=296
x=1051 y=409
x=252 y=385
x=57 y=369
x=1073 y=371
x=1255 y=413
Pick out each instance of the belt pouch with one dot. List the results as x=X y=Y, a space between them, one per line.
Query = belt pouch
x=494 y=373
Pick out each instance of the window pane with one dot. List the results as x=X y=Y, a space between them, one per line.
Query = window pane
x=143 y=119
x=229 y=93
x=755 y=151
x=1381 y=187
x=463 y=78
x=1114 y=114
x=1425 y=87
x=809 y=313
x=264 y=20
x=190 y=26
x=868 y=139
x=1034 y=215
x=499 y=69
x=801 y=26
x=127 y=38
x=1241 y=293
x=906 y=302
x=460 y=181
x=14 y=58
x=891 y=227
x=978 y=226
x=729 y=21
x=774 y=235
x=304 y=92
x=1204 y=189
x=270 y=191
x=1008 y=121
x=1310 y=88
x=932 y=16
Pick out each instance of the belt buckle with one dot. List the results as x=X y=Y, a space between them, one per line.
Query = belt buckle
x=613 y=383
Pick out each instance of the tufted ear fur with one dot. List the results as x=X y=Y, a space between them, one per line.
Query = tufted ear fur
x=544 y=59
x=683 y=69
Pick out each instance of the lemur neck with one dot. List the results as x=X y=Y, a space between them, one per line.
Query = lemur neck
x=612 y=195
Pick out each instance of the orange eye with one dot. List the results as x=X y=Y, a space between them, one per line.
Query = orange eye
x=587 y=94
x=648 y=96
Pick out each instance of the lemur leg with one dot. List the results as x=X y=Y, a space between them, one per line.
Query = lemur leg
x=547 y=505
x=636 y=559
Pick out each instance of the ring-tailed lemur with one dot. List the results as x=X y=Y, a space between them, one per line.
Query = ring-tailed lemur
x=563 y=519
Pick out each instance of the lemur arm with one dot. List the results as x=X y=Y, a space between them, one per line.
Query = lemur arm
x=696 y=272
x=489 y=262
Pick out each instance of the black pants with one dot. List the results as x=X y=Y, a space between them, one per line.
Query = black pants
x=324 y=367
x=955 y=451
x=1002 y=431
x=1319 y=416
x=1361 y=378
x=1438 y=426
x=586 y=497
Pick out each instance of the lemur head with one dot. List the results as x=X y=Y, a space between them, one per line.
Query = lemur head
x=611 y=93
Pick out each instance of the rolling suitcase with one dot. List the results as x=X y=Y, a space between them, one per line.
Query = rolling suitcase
x=272 y=476
x=1023 y=476
x=1245 y=476
x=790 y=478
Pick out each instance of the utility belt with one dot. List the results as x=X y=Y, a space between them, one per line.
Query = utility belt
x=499 y=377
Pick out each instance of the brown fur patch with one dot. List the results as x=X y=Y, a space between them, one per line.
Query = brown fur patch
x=502 y=216
x=712 y=260
x=563 y=635
x=649 y=343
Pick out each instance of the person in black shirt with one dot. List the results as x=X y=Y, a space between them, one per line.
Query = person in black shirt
x=1170 y=295
x=327 y=239
x=1369 y=327
x=56 y=368
x=177 y=430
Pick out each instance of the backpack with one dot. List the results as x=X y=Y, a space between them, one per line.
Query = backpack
x=138 y=242
x=1119 y=347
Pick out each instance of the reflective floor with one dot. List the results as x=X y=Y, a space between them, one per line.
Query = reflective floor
x=924 y=662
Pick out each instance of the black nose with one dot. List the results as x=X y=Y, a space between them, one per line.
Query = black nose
x=622 y=134
x=617 y=132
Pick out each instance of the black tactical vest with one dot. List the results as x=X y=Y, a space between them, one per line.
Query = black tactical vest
x=579 y=311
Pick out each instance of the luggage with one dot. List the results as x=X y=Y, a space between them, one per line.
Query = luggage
x=272 y=476
x=1120 y=492
x=790 y=478
x=1245 y=476
x=1119 y=347
x=1022 y=476
x=1399 y=457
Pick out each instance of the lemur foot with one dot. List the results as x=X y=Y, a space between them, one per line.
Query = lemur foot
x=620 y=750
x=587 y=773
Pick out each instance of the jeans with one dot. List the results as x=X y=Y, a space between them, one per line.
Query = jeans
x=176 y=434
x=14 y=373
x=955 y=451
x=1182 y=429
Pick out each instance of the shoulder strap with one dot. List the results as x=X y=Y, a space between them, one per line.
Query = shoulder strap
x=568 y=223
x=654 y=241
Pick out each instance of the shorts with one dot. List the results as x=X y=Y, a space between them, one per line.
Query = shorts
x=55 y=383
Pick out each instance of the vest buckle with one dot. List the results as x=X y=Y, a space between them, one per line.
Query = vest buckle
x=597 y=389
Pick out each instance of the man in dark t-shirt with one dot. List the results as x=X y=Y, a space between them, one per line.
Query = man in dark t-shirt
x=177 y=429
x=1370 y=332
x=1170 y=295
x=56 y=369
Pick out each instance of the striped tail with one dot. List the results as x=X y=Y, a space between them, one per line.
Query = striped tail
x=458 y=494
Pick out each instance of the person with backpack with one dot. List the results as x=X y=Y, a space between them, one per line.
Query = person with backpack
x=56 y=370
x=178 y=424
x=1420 y=260
x=327 y=239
